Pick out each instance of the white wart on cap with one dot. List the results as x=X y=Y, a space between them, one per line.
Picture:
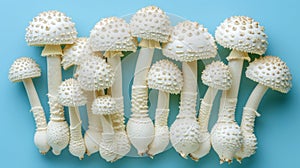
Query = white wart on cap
x=104 y=105
x=165 y=76
x=112 y=34
x=242 y=33
x=70 y=94
x=23 y=68
x=272 y=72
x=50 y=28
x=95 y=74
x=217 y=75
x=151 y=23
x=190 y=41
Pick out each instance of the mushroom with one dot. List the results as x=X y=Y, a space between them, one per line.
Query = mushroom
x=53 y=29
x=105 y=106
x=216 y=76
x=189 y=42
x=71 y=95
x=268 y=72
x=74 y=54
x=24 y=69
x=243 y=35
x=112 y=35
x=152 y=25
x=166 y=77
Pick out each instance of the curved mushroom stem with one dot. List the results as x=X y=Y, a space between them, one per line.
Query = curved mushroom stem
x=161 y=134
x=40 y=137
x=61 y=138
x=77 y=146
x=247 y=125
x=92 y=135
x=107 y=146
x=203 y=119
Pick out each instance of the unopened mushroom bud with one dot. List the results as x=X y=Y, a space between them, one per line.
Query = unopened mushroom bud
x=153 y=26
x=268 y=72
x=24 y=69
x=166 y=77
x=52 y=29
x=189 y=42
x=72 y=96
x=217 y=77
x=243 y=35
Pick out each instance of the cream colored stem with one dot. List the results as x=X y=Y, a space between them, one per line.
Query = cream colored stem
x=116 y=89
x=118 y=118
x=93 y=120
x=106 y=124
x=205 y=108
x=143 y=64
x=162 y=109
x=74 y=116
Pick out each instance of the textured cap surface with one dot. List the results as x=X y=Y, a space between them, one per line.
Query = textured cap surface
x=94 y=74
x=164 y=75
x=217 y=75
x=151 y=23
x=272 y=72
x=50 y=28
x=70 y=93
x=190 y=41
x=112 y=34
x=104 y=105
x=243 y=34
x=23 y=68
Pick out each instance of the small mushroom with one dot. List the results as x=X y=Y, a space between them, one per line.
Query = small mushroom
x=166 y=77
x=189 y=42
x=216 y=76
x=71 y=95
x=243 y=35
x=24 y=69
x=52 y=29
x=153 y=26
x=269 y=72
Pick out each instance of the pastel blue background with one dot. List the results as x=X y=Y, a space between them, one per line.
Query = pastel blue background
x=277 y=129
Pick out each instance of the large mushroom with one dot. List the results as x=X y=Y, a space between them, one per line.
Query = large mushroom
x=71 y=95
x=243 y=35
x=216 y=76
x=74 y=54
x=189 y=42
x=112 y=36
x=152 y=25
x=166 y=77
x=52 y=29
x=269 y=72
x=24 y=69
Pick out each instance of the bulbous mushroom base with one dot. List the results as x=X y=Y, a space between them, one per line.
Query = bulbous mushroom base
x=122 y=143
x=107 y=148
x=204 y=147
x=41 y=141
x=58 y=136
x=248 y=148
x=92 y=139
x=160 y=141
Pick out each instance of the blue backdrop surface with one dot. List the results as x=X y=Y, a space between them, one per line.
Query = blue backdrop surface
x=277 y=129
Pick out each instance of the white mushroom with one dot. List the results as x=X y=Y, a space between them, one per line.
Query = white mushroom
x=166 y=77
x=216 y=76
x=112 y=35
x=269 y=72
x=52 y=29
x=189 y=42
x=243 y=35
x=152 y=25
x=23 y=69
x=71 y=95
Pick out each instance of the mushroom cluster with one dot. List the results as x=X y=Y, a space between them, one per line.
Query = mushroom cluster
x=97 y=84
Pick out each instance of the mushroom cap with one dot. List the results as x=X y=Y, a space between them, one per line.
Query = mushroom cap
x=165 y=76
x=190 y=41
x=242 y=33
x=50 y=28
x=151 y=23
x=70 y=94
x=23 y=68
x=75 y=53
x=104 y=105
x=112 y=34
x=94 y=74
x=272 y=72
x=217 y=75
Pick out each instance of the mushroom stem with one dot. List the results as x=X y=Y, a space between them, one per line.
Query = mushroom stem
x=256 y=96
x=116 y=88
x=40 y=137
